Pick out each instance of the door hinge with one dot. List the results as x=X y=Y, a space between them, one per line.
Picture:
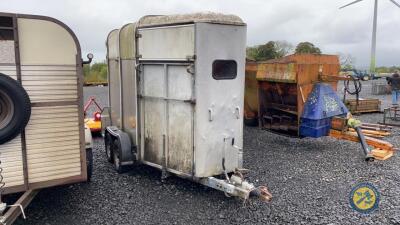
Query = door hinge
x=191 y=101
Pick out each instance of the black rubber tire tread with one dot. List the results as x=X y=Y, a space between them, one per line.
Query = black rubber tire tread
x=22 y=108
x=108 y=141
x=117 y=163
x=89 y=164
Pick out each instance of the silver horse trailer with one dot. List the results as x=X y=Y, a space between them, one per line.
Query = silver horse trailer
x=42 y=134
x=176 y=87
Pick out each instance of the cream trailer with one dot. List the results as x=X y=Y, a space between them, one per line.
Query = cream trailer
x=176 y=90
x=42 y=134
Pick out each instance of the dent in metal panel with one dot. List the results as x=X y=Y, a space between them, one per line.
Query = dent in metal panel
x=173 y=43
x=219 y=103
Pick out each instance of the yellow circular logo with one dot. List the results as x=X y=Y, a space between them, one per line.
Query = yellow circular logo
x=364 y=198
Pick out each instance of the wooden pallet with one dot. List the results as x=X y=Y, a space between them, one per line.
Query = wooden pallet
x=364 y=105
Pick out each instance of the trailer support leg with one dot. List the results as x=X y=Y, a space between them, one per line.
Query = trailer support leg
x=16 y=209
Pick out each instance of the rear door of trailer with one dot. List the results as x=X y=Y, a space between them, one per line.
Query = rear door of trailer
x=166 y=94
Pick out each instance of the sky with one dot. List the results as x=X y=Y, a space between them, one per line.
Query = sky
x=334 y=31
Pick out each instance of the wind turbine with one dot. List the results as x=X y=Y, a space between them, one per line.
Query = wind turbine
x=373 y=46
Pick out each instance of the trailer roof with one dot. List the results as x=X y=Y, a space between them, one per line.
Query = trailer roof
x=208 y=17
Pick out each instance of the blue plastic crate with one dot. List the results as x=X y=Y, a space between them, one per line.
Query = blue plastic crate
x=315 y=123
x=315 y=132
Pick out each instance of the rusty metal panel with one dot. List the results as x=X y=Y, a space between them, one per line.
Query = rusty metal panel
x=284 y=85
x=161 y=43
x=251 y=91
x=277 y=72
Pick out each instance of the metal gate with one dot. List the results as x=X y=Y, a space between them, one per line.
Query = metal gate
x=167 y=115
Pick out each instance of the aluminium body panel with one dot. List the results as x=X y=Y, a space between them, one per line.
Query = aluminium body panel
x=167 y=43
x=114 y=78
x=51 y=149
x=127 y=47
x=219 y=103
x=177 y=94
x=167 y=114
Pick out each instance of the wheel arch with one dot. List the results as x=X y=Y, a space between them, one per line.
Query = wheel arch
x=125 y=149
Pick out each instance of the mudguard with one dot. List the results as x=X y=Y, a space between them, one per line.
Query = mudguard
x=125 y=154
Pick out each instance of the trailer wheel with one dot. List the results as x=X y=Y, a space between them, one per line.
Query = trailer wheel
x=15 y=108
x=117 y=161
x=108 y=145
x=89 y=164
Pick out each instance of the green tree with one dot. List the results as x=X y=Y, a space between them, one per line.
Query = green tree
x=307 y=47
x=270 y=50
x=95 y=73
x=283 y=48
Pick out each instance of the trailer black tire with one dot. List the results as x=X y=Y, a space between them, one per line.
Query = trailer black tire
x=117 y=162
x=89 y=164
x=108 y=146
x=15 y=108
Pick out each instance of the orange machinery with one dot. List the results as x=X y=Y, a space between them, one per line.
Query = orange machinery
x=278 y=89
x=277 y=92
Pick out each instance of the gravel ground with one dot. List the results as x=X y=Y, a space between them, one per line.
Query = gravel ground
x=310 y=179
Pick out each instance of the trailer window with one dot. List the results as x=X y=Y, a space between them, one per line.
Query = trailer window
x=224 y=69
x=6 y=29
x=6 y=40
x=6 y=21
